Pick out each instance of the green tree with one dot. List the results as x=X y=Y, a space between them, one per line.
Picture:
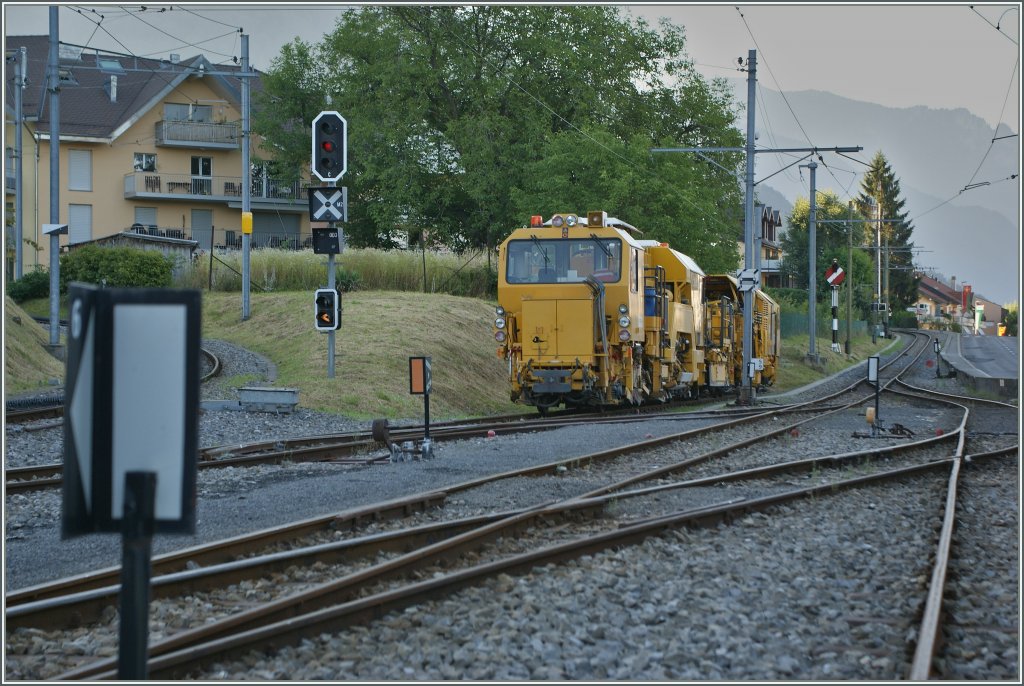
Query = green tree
x=1011 y=319
x=466 y=120
x=880 y=183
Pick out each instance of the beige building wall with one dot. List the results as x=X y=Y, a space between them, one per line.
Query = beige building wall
x=112 y=164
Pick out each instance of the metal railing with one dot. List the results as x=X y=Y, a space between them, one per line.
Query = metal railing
x=197 y=133
x=227 y=239
x=220 y=187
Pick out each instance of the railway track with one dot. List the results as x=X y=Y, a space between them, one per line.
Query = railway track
x=364 y=448
x=50 y=409
x=359 y=592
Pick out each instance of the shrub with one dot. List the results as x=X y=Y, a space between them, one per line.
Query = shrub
x=903 y=320
x=116 y=268
x=35 y=284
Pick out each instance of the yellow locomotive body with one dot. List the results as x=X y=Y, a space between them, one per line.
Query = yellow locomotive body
x=724 y=309
x=590 y=314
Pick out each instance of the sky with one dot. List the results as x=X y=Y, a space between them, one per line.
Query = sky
x=941 y=55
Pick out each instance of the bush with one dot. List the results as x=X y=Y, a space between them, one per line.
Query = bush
x=116 y=268
x=903 y=320
x=35 y=284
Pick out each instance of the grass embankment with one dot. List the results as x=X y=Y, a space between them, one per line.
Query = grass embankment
x=380 y=330
x=27 y=364
x=795 y=371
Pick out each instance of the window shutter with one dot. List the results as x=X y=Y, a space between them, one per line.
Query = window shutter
x=79 y=223
x=80 y=170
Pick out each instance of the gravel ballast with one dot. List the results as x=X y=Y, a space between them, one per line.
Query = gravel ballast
x=756 y=600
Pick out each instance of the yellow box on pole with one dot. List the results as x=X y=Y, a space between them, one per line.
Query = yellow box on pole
x=246 y=222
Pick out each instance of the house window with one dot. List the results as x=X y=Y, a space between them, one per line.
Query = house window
x=80 y=170
x=202 y=173
x=79 y=223
x=145 y=161
x=187 y=112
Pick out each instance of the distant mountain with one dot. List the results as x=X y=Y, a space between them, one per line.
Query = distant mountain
x=934 y=153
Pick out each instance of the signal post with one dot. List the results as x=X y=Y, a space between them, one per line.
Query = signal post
x=329 y=161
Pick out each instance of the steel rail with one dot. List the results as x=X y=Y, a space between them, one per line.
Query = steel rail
x=293 y=627
x=215 y=552
x=85 y=606
x=928 y=634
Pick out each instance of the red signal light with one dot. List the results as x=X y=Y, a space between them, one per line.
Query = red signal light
x=328 y=146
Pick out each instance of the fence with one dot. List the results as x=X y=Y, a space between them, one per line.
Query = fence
x=797 y=324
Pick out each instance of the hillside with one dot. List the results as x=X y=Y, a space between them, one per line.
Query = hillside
x=934 y=153
x=27 y=365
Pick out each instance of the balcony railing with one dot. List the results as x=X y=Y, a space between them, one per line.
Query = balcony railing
x=198 y=134
x=213 y=188
x=227 y=239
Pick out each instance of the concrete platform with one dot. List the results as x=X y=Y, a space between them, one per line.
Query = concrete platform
x=986 y=363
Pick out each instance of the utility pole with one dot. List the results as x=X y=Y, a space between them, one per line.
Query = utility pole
x=748 y=395
x=54 y=87
x=878 y=269
x=747 y=392
x=19 y=86
x=246 y=180
x=885 y=289
x=849 y=277
x=812 y=275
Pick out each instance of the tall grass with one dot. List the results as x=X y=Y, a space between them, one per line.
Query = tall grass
x=363 y=269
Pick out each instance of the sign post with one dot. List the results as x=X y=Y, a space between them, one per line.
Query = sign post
x=835 y=275
x=873 y=378
x=419 y=384
x=329 y=162
x=131 y=432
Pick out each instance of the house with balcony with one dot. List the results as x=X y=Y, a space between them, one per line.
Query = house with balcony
x=768 y=246
x=149 y=146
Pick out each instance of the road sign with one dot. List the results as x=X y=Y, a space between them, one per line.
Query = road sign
x=328 y=204
x=330 y=146
x=419 y=375
x=835 y=274
x=133 y=403
x=749 y=278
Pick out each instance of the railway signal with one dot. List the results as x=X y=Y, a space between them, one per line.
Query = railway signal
x=326 y=309
x=330 y=146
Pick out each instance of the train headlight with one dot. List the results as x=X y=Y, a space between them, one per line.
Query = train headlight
x=571 y=220
x=623 y=308
x=623 y=335
x=499 y=323
x=500 y=311
x=624 y=321
x=499 y=336
x=556 y=221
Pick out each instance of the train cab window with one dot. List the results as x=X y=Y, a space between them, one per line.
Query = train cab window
x=563 y=260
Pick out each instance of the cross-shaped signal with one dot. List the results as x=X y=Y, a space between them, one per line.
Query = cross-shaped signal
x=326 y=204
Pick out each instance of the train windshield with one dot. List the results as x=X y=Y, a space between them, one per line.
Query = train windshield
x=563 y=260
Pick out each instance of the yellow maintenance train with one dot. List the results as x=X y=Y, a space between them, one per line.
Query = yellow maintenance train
x=590 y=314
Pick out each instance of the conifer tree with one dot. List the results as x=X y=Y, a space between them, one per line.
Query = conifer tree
x=880 y=183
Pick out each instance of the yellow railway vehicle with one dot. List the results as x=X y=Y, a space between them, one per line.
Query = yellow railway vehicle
x=591 y=314
x=725 y=332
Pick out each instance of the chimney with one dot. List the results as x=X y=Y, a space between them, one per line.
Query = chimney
x=952 y=283
x=111 y=88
